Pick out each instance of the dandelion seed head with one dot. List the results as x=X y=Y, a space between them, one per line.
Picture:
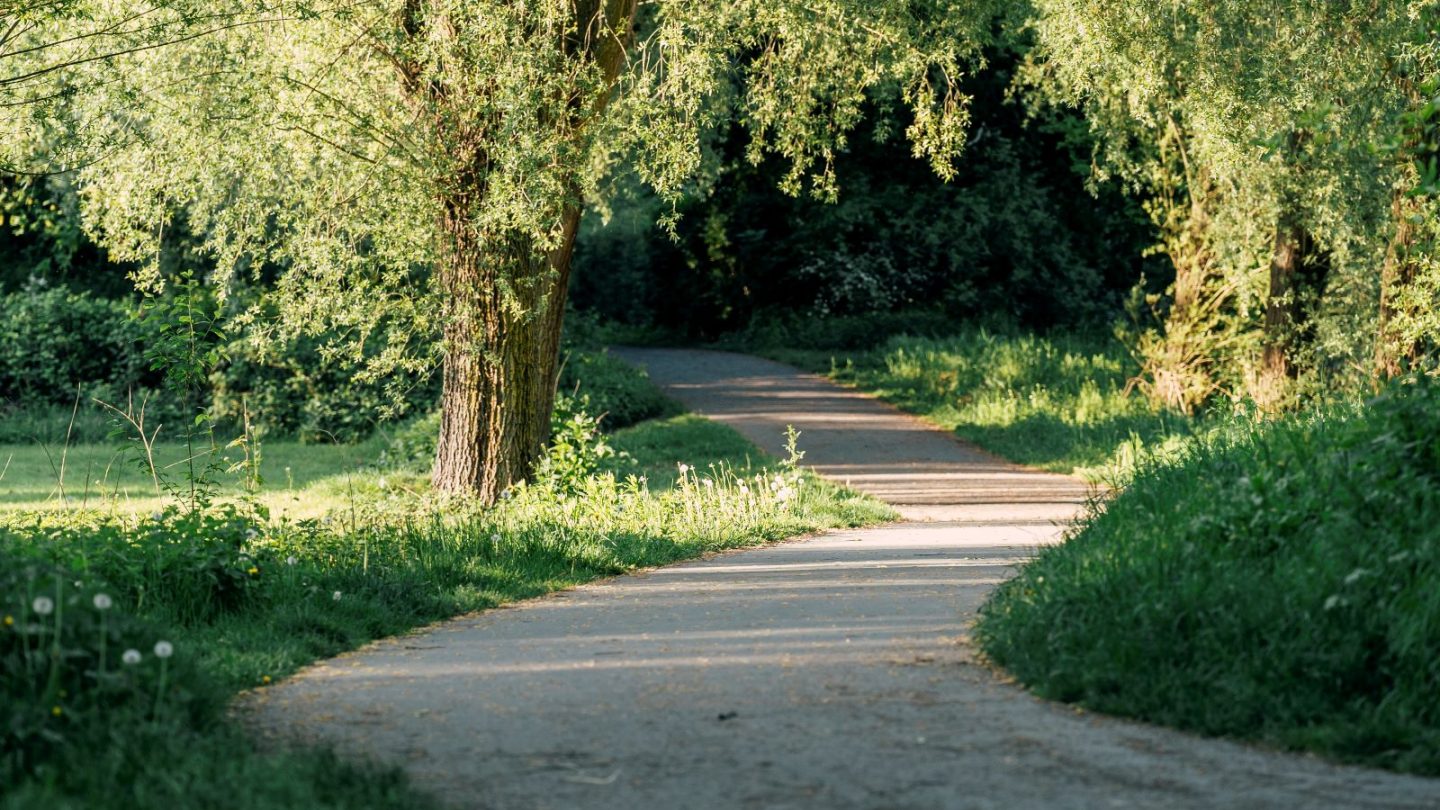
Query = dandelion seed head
x=130 y=657
x=251 y=534
x=335 y=596
x=43 y=605
x=291 y=560
x=102 y=601
x=164 y=649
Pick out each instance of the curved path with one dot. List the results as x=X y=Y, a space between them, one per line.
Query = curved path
x=831 y=672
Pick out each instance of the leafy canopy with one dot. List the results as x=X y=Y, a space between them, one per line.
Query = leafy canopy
x=324 y=137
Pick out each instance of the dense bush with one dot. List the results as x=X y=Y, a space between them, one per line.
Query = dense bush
x=1278 y=585
x=295 y=390
x=619 y=394
x=54 y=342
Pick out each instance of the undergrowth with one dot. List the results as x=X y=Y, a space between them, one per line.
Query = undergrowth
x=1274 y=584
x=1061 y=403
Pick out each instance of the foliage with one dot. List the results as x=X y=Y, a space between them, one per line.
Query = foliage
x=1244 y=120
x=998 y=239
x=55 y=343
x=617 y=393
x=1274 y=585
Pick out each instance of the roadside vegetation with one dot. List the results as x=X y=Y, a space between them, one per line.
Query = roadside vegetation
x=127 y=631
x=1274 y=584
x=1062 y=402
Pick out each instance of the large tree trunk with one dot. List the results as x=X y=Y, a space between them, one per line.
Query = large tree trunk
x=501 y=358
x=1391 y=349
x=504 y=295
x=1282 y=313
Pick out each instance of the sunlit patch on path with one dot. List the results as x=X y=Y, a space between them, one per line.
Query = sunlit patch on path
x=831 y=672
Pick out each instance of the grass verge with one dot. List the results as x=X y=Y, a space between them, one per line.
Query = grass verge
x=98 y=712
x=1058 y=403
x=1276 y=584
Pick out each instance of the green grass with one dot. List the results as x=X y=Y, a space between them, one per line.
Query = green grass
x=1274 y=584
x=246 y=601
x=300 y=480
x=1059 y=403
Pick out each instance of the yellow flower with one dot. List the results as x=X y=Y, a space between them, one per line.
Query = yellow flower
x=254 y=570
x=9 y=620
x=57 y=711
x=265 y=679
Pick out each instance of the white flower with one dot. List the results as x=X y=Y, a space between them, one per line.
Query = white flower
x=335 y=596
x=291 y=560
x=684 y=468
x=102 y=601
x=744 y=490
x=505 y=496
x=163 y=649
x=785 y=494
x=43 y=605
x=131 y=657
x=156 y=515
x=709 y=484
x=382 y=483
x=495 y=539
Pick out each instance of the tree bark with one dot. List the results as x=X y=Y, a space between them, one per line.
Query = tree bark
x=504 y=297
x=1282 y=313
x=501 y=357
x=1391 y=349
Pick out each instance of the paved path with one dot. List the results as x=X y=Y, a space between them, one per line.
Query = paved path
x=825 y=673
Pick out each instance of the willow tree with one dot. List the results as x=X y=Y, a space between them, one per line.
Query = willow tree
x=426 y=162
x=1281 y=106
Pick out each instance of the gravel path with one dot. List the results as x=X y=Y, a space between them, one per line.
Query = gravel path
x=831 y=672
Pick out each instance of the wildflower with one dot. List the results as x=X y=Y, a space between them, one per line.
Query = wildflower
x=131 y=657
x=252 y=570
x=43 y=605
x=785 y=494
x=163 y=649
x=157 y=515
x=291 y=560
x=335 y=596
x=684 y=468
x=709 y=484
x=382 y=483
x=251 y=534
x=505 y=496
x=56 y=710
x=744 y=490
x=495 y=539
x=9 y=621
x=102 y=601
x=265 y=679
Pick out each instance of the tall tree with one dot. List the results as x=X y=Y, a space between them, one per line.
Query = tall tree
x=1282 y=104
x=426 y=161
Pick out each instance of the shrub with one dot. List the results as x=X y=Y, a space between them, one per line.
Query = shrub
x=617 y=393
x=53 y=341
x=1276 y=585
